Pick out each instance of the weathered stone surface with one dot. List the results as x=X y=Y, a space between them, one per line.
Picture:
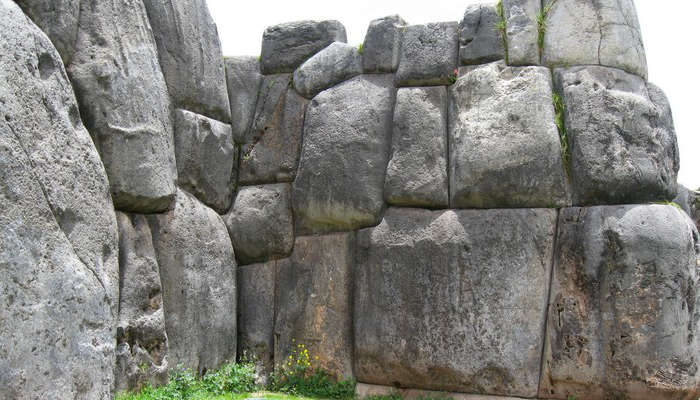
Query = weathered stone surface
x=243 y=80
x=190 y=56
x=314 y=308
x=453 y=300
x=347 y=133
x=260 y=223
x=198 y=275
x=505 y=149
x=334 y=64
x=380 y=50
x=623 y=144
x=207 y=160
x=522 y=31
x=364 y=390
x=603 y=32
x=286 y=46
x=689 y=201
x=428 y=54
x=59 y=19
x=142 y=344
x=623 y=315
x=417 y=171
x=271 y=152
x=480 y=41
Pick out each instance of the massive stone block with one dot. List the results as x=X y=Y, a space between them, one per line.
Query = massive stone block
x=260 y=223
x=380 y=50
x=347 y=133
x=314 y=289
x=207 y=160
x=623 y=314
x=190 y=56
x=271 y=152
x=480 y=41
x=623 y=144
x=286 y=46
x=142 y=344
x=505 y=149
x=453 y=300
x=58 y=19
x=604 y=32
x=334 y=64
x=243 y=80
x=689 y=201
x=522 y=30
x=417 y=171
x=198 y=275
x=428 y=54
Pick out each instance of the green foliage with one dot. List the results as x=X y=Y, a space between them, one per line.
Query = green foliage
x=542 y=24
x=361 y=48
x=501 y=27
x=563 y=135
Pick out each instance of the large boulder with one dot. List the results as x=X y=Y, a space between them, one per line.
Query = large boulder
x=522 y=30
x=207 y=160
x=243 y=81
x=314 y=306
x=347 y=134
x=480 y=40
x=453 y=300
x=286 y=46
x=622 y=140
x=334 y=64
x=198 y=276
x=417 y=171
x=689 y=201
x=623 y=316
x=602 y=32
x=260 y=223
x=59 y=19
x=142 y=344
x=505 y=149
x=380 y=50
x=428 y=54
x=190 y=56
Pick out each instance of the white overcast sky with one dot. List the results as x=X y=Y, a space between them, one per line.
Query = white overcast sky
x=667 y=29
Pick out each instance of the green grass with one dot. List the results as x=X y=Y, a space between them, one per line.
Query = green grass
x=561 y=126
x=361 y=48
x=542 y=24
x=501 y=27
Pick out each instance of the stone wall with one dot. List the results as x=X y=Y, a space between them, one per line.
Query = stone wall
x=480 y=207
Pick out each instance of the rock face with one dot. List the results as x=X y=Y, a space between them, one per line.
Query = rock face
x=522 y=31
x=504 y=146
x=623 y=317
x=480 y=41
x=617 y=156
x=207 y=160
x=604 y=32
x=198 y=275
x=261 y=224
x=190 y=56
x=380 y=50
x=314 y=308
x=689 y=201
x=59 y=19
x=334 y=64
x=243 y=80
x=428 y=54
x=271 y=152
x=417 y=171
x=142 y=344
x=453 y=300
x=347 y=133
x=286 y=46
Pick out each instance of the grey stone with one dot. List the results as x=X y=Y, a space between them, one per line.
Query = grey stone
x=623 y=144
x=364 y=390
x=190 y=56
x=623 y=315
x=314 y=289
x=336 y=63
x=380 y=50
x=198 y=275
x=428 y=54
x=453 y=300
x=603 y=32
x=480 y=41
x=142 y=344
x=347 y=133
x=505 y=149
x=207 y=160
x=59 y=19
x=286 y=46
x=260 y=223
x=243 y=80
x=522 y=31
x=271 y=152
x=689 y=201
x=417 y=171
